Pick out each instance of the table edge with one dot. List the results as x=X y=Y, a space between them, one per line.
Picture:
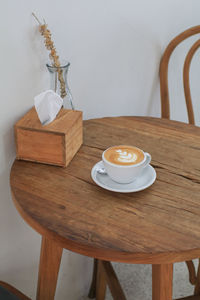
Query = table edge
x=104 y=253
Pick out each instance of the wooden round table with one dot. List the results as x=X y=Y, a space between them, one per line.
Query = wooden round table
x=158 y=226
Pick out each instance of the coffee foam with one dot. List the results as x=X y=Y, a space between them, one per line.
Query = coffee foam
x=124 y=155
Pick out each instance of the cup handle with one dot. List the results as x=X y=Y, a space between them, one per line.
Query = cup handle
x=148 y=159
x=102 y=170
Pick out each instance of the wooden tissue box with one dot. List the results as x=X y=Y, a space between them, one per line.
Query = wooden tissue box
x=54 y=144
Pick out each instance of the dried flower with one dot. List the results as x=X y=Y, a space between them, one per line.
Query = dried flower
x=45 y=32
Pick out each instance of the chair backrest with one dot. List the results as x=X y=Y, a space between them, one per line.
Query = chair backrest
x=164 y=91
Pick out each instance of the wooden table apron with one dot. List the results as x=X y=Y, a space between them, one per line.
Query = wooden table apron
x=158 y=226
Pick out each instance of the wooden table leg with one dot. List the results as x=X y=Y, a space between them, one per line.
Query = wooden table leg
x=101 y=282
x=197 y=285
x=92 y=292
x=162 y=276
x=50 y=257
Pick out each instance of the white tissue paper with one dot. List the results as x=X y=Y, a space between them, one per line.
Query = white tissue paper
x=47 y=105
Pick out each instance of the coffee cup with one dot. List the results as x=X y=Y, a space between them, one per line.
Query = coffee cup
x=124 y=164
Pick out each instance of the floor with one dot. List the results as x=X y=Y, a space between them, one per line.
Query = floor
x=136 y=281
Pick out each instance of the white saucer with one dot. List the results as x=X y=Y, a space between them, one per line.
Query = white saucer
x=146 y=179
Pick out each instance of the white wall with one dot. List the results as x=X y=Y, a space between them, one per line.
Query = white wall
x=114 y=47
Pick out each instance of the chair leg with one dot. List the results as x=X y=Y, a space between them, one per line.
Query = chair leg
x=197 y=286
x=14 y=291
x=104 y=274
x=92 y=292
x=112 y=281
x=192 y=272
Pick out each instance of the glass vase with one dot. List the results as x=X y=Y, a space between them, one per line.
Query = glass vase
x=59 y=83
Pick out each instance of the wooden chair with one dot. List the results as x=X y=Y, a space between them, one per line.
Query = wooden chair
x=164 y=91
x=165 y=111
x=8 y=292
x=103 y=273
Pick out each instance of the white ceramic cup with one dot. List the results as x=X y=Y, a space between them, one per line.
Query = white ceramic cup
x=125 y=174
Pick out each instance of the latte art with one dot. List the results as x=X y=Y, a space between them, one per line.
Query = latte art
x=124 y=155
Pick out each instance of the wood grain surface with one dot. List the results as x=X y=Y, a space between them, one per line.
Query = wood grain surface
x=162 y=276
x=60 y=125
x=158 y=225
x=55 y=143
x=50 y=258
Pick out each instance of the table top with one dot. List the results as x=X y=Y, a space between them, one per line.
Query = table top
x=158 y=225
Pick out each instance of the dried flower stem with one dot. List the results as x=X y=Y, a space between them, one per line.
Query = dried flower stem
x=36 y=18
x=45 y=32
